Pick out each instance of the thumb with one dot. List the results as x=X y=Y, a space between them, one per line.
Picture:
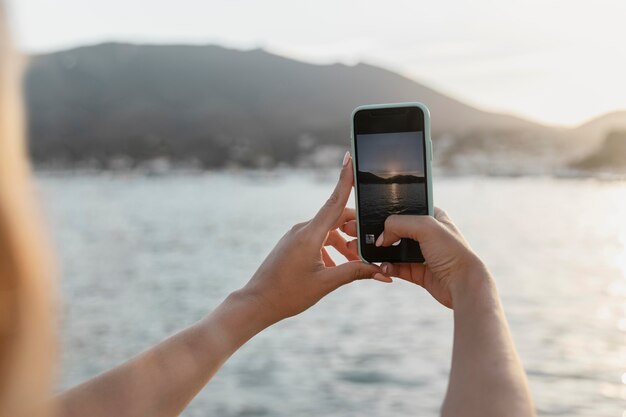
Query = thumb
x=350 y=271
x=408 y=226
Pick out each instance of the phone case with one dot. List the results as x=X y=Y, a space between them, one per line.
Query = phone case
x=429 y=151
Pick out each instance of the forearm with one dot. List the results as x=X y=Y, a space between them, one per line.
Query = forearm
x=163 y=380
x=487 y=378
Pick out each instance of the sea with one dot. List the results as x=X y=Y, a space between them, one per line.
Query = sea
x=141 y=257
x=380 y=200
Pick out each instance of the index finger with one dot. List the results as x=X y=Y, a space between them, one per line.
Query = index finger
x=348 y=215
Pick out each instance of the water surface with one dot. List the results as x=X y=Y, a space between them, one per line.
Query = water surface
x=378 y=201
x=143 y=257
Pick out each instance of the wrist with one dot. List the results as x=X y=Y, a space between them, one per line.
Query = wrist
x=254 y=307
x=476 y=285
x=235 y=321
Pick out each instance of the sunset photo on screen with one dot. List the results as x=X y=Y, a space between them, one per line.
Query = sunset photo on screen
x=391 y=176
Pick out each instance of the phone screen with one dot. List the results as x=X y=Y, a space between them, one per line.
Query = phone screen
x=390 y=158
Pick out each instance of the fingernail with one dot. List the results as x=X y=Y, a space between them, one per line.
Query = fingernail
x=380 y=277
x=380 y=239
x=384 y=268
x=346 y=158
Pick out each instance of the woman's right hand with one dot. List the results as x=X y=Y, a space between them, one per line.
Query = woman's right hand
x=484 y=361
x=451 y=266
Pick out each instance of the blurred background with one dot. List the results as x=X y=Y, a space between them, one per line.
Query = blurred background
x=175 y=142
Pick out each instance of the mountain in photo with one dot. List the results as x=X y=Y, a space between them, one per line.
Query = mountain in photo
x=370 y=178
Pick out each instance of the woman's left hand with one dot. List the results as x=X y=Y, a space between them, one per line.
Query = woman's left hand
x=295 y=275
x=299 y=271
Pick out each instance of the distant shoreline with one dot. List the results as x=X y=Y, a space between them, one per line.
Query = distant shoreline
x=322 y=173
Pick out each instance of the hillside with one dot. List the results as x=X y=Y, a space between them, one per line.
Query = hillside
x=593 y=133
x=219 y=106
x=610 y=155
x=370 y=178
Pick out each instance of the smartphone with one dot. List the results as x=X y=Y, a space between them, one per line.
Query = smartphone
x=392 y=154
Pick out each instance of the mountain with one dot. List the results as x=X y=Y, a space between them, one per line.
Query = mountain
x=593 y=133
x=610 y=155
x=219 y=106
x=370 y=178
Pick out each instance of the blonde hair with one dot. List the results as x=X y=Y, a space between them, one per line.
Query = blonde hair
x=26 y=314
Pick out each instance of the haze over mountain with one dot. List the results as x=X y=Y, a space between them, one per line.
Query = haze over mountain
x=219 y=106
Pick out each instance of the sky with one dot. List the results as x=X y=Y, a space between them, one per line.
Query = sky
x=560 y=62
x=389 y=154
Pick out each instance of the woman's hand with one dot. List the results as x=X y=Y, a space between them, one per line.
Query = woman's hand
x=299 y=272
x=450 y=266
